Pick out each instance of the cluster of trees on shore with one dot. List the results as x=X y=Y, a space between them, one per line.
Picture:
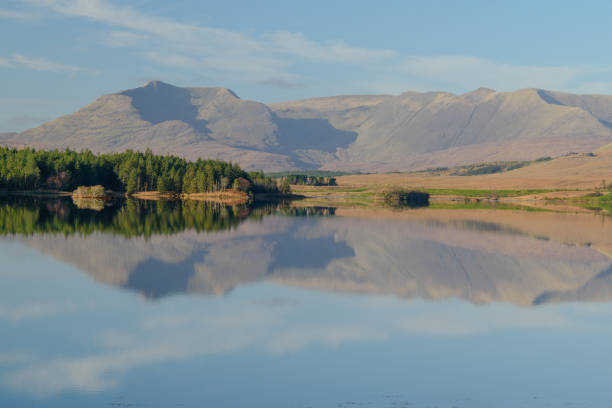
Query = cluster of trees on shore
x=29 y=169
x=308 y=180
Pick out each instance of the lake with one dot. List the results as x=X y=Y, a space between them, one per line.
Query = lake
x=195 y=304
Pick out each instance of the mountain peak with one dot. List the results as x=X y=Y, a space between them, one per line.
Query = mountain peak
x=227 y=92
x=156 y=84
x=477 y=95
x=480 y=91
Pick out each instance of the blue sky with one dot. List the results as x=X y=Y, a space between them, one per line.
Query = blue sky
x=59 y=55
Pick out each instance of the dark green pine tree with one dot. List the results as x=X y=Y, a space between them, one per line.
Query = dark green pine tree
x=132 y=183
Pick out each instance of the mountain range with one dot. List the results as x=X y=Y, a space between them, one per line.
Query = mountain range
x=368 y=133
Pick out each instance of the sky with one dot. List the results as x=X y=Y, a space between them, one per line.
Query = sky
x=57 y=56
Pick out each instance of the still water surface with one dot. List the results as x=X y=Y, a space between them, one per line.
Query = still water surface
x=200 y=305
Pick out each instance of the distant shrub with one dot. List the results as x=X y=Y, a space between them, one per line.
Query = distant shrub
x=515 y=166
x=595 y=194
x=406 y=198
x=486 y=168
x=89 y=192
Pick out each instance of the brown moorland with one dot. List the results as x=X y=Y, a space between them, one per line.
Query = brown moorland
x=577 y=171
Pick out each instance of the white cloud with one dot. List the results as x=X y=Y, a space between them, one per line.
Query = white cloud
x=124 y=39
x=272 y=59
x=339 y=51
x=473 y=72
x=458 y=73
x=40 y=64
x=224 y=51
x=595 y=87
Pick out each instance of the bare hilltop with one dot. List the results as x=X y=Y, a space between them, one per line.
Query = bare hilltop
x=368 y=133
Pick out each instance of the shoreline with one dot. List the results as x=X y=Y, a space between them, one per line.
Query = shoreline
x=558 y=200
x=219 y=196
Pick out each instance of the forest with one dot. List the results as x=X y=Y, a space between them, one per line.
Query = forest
x=129 y=171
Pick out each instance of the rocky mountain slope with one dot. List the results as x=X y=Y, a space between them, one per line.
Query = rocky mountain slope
x=356 y=133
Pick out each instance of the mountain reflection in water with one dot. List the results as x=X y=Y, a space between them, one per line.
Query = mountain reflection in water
x=159 y=248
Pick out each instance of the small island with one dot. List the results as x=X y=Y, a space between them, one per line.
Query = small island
x=90 y=192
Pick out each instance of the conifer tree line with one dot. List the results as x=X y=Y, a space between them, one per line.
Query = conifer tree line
x=306 y=180
x=129 y=171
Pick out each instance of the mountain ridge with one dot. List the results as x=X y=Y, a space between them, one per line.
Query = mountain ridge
x=409 y=131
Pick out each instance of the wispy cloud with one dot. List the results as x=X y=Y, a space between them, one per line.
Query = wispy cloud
x=336 y=51
x=472 y=72
x=273 y=59
x=40 y=64
x=223 y=51
x=124 y=39
x=459 y=73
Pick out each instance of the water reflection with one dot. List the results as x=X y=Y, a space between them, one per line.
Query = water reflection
x=130 y=218
x=293 y=316
x=28 y=215
x=159 y=248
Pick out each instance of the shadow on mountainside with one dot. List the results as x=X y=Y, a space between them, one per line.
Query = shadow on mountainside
x=158 y=102
x=597 y=289
x=316 y=134
x=548 y=98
